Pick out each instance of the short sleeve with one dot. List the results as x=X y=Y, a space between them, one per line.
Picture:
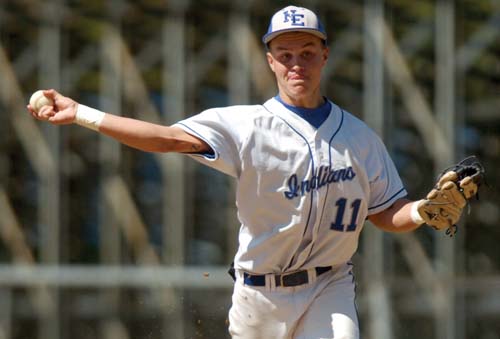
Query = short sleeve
x=385 y=184
x=220 y=129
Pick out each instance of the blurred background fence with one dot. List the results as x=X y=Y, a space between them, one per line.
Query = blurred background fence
x=98 y=240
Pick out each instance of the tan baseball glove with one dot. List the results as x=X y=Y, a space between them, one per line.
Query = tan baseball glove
x=456 y=185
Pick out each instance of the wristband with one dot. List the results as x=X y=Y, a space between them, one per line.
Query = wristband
x=414 y=215
x=89 y=117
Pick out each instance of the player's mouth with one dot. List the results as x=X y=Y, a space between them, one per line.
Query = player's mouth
x=297 y=77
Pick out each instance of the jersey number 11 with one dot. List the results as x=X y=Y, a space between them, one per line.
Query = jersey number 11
x=337 y=225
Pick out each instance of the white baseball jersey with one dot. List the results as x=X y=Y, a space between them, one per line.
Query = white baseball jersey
x=303 y=193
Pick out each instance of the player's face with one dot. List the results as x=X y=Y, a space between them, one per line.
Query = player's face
x=297 y=58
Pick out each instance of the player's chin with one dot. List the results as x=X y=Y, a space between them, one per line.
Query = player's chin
x=299 y=90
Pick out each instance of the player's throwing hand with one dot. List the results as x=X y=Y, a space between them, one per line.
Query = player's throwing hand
x=62 y=112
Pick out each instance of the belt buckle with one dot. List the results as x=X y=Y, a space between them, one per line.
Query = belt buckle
x=294 y=281
x=281 y=276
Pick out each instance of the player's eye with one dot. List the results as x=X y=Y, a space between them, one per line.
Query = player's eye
x=285 y=57
x=307 y=55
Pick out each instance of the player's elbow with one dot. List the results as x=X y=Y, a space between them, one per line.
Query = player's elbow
x=175 y=145
x=169 y=145
x=167 y=139
x=162 y=139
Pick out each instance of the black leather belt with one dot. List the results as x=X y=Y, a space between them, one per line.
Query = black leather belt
x=285 y=279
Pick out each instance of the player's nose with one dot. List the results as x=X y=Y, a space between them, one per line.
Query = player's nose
x=297 y=68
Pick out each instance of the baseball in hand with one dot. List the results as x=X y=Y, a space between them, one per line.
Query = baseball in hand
x=38 y=100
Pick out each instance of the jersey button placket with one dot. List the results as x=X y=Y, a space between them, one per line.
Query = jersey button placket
x=312 y=231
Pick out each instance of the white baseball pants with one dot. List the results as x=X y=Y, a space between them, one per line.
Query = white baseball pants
x=322 y=308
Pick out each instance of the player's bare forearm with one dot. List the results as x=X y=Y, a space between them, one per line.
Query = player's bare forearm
x=60 y=110
x=396 y=218
x=150 y=137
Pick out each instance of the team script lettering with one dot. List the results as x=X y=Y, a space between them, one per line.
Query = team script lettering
x=325 y=175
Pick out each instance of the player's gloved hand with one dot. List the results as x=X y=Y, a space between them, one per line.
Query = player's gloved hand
x=442 y=207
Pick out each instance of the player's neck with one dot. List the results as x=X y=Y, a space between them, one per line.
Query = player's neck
x=303 y=102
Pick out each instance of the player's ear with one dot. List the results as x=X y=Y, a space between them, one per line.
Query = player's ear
x=326 y=53
x=270 y=60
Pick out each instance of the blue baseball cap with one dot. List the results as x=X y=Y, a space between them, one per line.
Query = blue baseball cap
x=291 y=19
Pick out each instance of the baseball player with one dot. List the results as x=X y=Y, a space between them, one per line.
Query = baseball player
x=308 y=175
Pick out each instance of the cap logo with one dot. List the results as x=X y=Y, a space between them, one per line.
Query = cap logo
x=295 y=18
x=291 y=19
